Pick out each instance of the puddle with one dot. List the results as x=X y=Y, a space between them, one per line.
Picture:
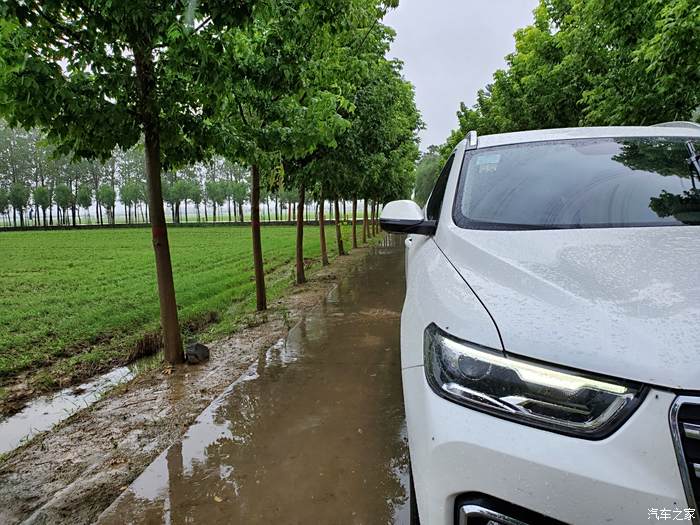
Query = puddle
x=43 y=413
x=314 y=432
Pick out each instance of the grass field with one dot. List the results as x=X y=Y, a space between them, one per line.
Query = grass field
x=72 y=300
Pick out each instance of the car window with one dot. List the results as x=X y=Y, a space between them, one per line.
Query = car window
x=607 y=182
x=432 y=211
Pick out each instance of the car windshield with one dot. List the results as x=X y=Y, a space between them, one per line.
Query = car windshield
x=605 y=182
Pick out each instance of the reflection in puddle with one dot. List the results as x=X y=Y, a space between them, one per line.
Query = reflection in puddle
x=313 y=433
x=43 y=413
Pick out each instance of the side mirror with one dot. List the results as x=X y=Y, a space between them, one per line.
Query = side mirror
x=405 y=217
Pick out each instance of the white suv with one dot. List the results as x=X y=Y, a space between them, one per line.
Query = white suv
x=550 y=336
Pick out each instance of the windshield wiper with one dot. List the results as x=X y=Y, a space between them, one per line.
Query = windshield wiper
x=693 y=160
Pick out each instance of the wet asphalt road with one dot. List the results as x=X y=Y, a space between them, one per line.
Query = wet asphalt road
x=313 y=433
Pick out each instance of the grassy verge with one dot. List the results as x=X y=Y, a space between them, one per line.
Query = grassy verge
x=75 y=302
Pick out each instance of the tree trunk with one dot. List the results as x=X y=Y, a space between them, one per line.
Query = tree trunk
x=338 y=234
x=365 y=222
x=301 y=278
x=240 y=209
x=166 y=287
x=354 y=222
x=322 y=230
x=267 y=202
x=260 y=297
x=229 y=209
x=345 y=212
x=370 y=205
x=374 y=218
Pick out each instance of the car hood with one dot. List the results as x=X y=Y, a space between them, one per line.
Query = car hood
x=623 y=302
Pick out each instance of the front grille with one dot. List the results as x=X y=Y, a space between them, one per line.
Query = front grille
x=685 y=428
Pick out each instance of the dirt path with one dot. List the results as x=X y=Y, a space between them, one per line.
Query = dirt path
x=72 y=473
x=313 y=433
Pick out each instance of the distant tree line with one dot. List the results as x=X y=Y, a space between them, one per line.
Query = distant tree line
x=39 y=189
x=589 y=63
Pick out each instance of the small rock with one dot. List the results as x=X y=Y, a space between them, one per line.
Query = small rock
x=196 y=353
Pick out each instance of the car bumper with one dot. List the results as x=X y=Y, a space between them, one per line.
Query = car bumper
x=621 y=479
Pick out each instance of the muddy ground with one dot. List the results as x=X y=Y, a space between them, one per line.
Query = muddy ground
x=314 y=432
x=73 y=472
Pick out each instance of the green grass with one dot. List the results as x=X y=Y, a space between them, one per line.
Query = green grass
x=72 y=299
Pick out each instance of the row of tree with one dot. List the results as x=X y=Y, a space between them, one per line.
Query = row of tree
x=38 y=189
x=589 y=62
x=297 y=91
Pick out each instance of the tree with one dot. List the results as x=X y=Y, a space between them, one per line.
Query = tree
x=216 y=193
x=285 y=101
x=376 y=154
x=240 y=193
x=427 y=172
x=593 y=62
x=19 y=198
x=194 y=193
x=107 y=198
x=83 y=197
x=42 y=199
x=4 y=202
x=64 y=200
x=98 y=77
x=131 y=193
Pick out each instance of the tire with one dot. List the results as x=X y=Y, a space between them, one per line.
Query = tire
x=413 y=504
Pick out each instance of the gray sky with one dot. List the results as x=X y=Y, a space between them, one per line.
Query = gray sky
x=450 y=49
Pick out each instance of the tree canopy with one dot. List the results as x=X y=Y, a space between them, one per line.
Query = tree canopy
x=593 y=62
x=165 y=98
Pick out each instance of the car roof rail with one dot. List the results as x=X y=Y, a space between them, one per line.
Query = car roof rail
x=472 y=140
x=678 y=124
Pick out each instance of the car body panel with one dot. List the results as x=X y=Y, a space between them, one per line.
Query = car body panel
x=432 y=280
x=615 y=480
x=623 y=302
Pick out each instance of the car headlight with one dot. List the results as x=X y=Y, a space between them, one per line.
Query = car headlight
x=531 y=393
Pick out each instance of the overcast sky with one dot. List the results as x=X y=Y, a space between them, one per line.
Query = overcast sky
x=450 y=49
